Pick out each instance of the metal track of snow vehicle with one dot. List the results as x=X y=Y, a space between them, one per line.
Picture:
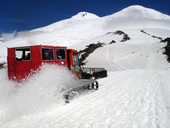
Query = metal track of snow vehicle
x=23 y=61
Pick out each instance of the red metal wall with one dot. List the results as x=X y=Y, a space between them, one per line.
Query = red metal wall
x=19 y=70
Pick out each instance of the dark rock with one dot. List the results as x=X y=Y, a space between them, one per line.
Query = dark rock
x=87 y=51
x=157 y=37
x=144 y=32
x=125 y=38
x=167 y=47
x=110 y=33
x=112 y=42
x=119 y=32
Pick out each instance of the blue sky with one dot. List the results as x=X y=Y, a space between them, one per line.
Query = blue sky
x=20 y=15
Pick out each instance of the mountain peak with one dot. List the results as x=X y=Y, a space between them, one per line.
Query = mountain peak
x=139 y=7
x=84 y=15
x=138 y=11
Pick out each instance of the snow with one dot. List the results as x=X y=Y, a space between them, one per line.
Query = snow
x=132 y=56
x=84 y=15
x=127 y=99
x=20 y=99
x=137 y=11
x=159 y=32
x=134 y=95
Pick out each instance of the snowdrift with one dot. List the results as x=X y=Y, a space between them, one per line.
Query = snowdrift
x=41 y=91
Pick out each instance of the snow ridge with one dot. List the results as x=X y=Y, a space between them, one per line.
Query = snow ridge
x=138 y=11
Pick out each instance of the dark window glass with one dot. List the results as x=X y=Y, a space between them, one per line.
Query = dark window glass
x=76 y=61
x=60 y=54
x=47 y=54
x=22 y=54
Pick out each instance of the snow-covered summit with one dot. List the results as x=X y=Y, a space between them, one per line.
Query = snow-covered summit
x=72 y=21
x=131 y=17
x=138 y=11
x=84 y=15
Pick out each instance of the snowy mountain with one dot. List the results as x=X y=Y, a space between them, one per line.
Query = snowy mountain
x=137 y=11
x=135 y=93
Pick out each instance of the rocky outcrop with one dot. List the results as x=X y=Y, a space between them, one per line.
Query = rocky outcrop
x=87 y=51
x=167 y=48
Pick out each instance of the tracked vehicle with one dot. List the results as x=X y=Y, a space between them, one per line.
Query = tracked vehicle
x=24 y=61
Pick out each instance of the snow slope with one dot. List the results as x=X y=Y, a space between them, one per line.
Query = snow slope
x=126 y=99
x=140 y=52
x=134 y=95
